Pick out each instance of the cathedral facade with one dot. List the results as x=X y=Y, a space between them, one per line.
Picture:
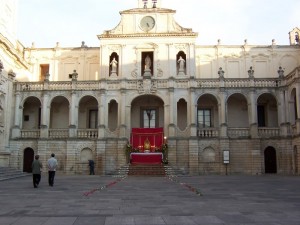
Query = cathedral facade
x=223 y=108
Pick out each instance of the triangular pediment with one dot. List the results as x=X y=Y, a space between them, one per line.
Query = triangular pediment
x=134 y=23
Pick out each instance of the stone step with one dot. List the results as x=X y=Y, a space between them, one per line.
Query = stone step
x=146 y=170
x=7 y=173
x=121 y=172
x=171 y=171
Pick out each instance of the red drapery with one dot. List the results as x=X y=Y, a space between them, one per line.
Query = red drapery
x=154 y=135
x=146 y=158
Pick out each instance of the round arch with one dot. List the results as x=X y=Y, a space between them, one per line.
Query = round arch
x=31 y=113
x=147 y=111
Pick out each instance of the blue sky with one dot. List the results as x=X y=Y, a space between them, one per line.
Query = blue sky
x=70 y=22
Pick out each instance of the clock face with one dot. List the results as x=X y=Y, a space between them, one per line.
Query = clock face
x=147 y=23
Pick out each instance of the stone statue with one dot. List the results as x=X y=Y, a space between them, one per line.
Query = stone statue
x=114 y=64
x=181 y=63
x=250 y=72
x=221 y=72
x=280 y=72
x=147 y=62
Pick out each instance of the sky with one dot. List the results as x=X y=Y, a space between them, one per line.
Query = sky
x=69 y=22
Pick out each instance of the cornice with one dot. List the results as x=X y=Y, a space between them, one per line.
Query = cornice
x=8 y=47
x=147 y=10
x=147 y=35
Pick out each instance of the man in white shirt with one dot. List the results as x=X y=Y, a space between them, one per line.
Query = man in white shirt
x=52 y=165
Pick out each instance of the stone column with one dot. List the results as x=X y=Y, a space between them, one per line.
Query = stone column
x=45 y=116
x=102 y=115
x=121 y=112
x=192 y=112
x=73 y=115
x=171 y=114
x=252 y=110
x=222 y=114
x=282 y=107
x=16 y=132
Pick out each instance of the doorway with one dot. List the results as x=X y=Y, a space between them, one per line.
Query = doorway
x=270 y=160
x=27 y=160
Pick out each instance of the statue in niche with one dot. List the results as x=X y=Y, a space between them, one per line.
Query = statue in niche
x=147 y=62
x=181 y=63
x=114 y=64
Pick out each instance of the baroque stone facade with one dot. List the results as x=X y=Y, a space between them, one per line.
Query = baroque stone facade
x=81 y=103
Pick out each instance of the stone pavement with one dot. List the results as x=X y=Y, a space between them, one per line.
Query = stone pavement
x=183 y=200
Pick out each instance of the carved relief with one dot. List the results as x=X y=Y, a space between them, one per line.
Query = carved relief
x=181 y=48
x=147 y=86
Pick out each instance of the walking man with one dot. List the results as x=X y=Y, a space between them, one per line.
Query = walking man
x=92 y=166
x=36 y=171
x=52 y=165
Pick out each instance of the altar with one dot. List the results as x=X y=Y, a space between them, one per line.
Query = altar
x=147 y=139
x=146 y=158
x=146 y=143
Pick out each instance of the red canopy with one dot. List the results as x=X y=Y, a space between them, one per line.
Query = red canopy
x=154 y=135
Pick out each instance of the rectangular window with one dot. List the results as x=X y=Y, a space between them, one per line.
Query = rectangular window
x=149 y=118
x=93 y=118
x=261 y=120
x=44 y=69
x=204 y=118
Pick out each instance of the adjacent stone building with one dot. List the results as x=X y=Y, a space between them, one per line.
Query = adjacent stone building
x=223 y=108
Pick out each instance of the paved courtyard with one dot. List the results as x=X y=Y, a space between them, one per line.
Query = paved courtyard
x=184 y=200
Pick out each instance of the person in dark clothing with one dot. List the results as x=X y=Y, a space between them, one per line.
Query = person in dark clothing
x=92 y=166
x=36 y=171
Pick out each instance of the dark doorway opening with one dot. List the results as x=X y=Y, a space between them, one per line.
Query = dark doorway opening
x=270 y=160
x=27 y=160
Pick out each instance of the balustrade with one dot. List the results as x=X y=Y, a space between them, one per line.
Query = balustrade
x=238 y=132
x=266 y=132
x=208 y=132
x=58 y=133
x=134 y=84
x=30 y=133
x=87 y=133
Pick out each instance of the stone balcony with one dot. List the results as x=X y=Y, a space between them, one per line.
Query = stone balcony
x=141 y=85
x=263 y=132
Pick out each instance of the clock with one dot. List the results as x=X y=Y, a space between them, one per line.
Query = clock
x=147 y=23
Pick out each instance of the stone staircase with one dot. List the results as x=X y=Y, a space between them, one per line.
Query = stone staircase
x=122 y=171
x=7 y=173
x=171 y=171
x=146 y=170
